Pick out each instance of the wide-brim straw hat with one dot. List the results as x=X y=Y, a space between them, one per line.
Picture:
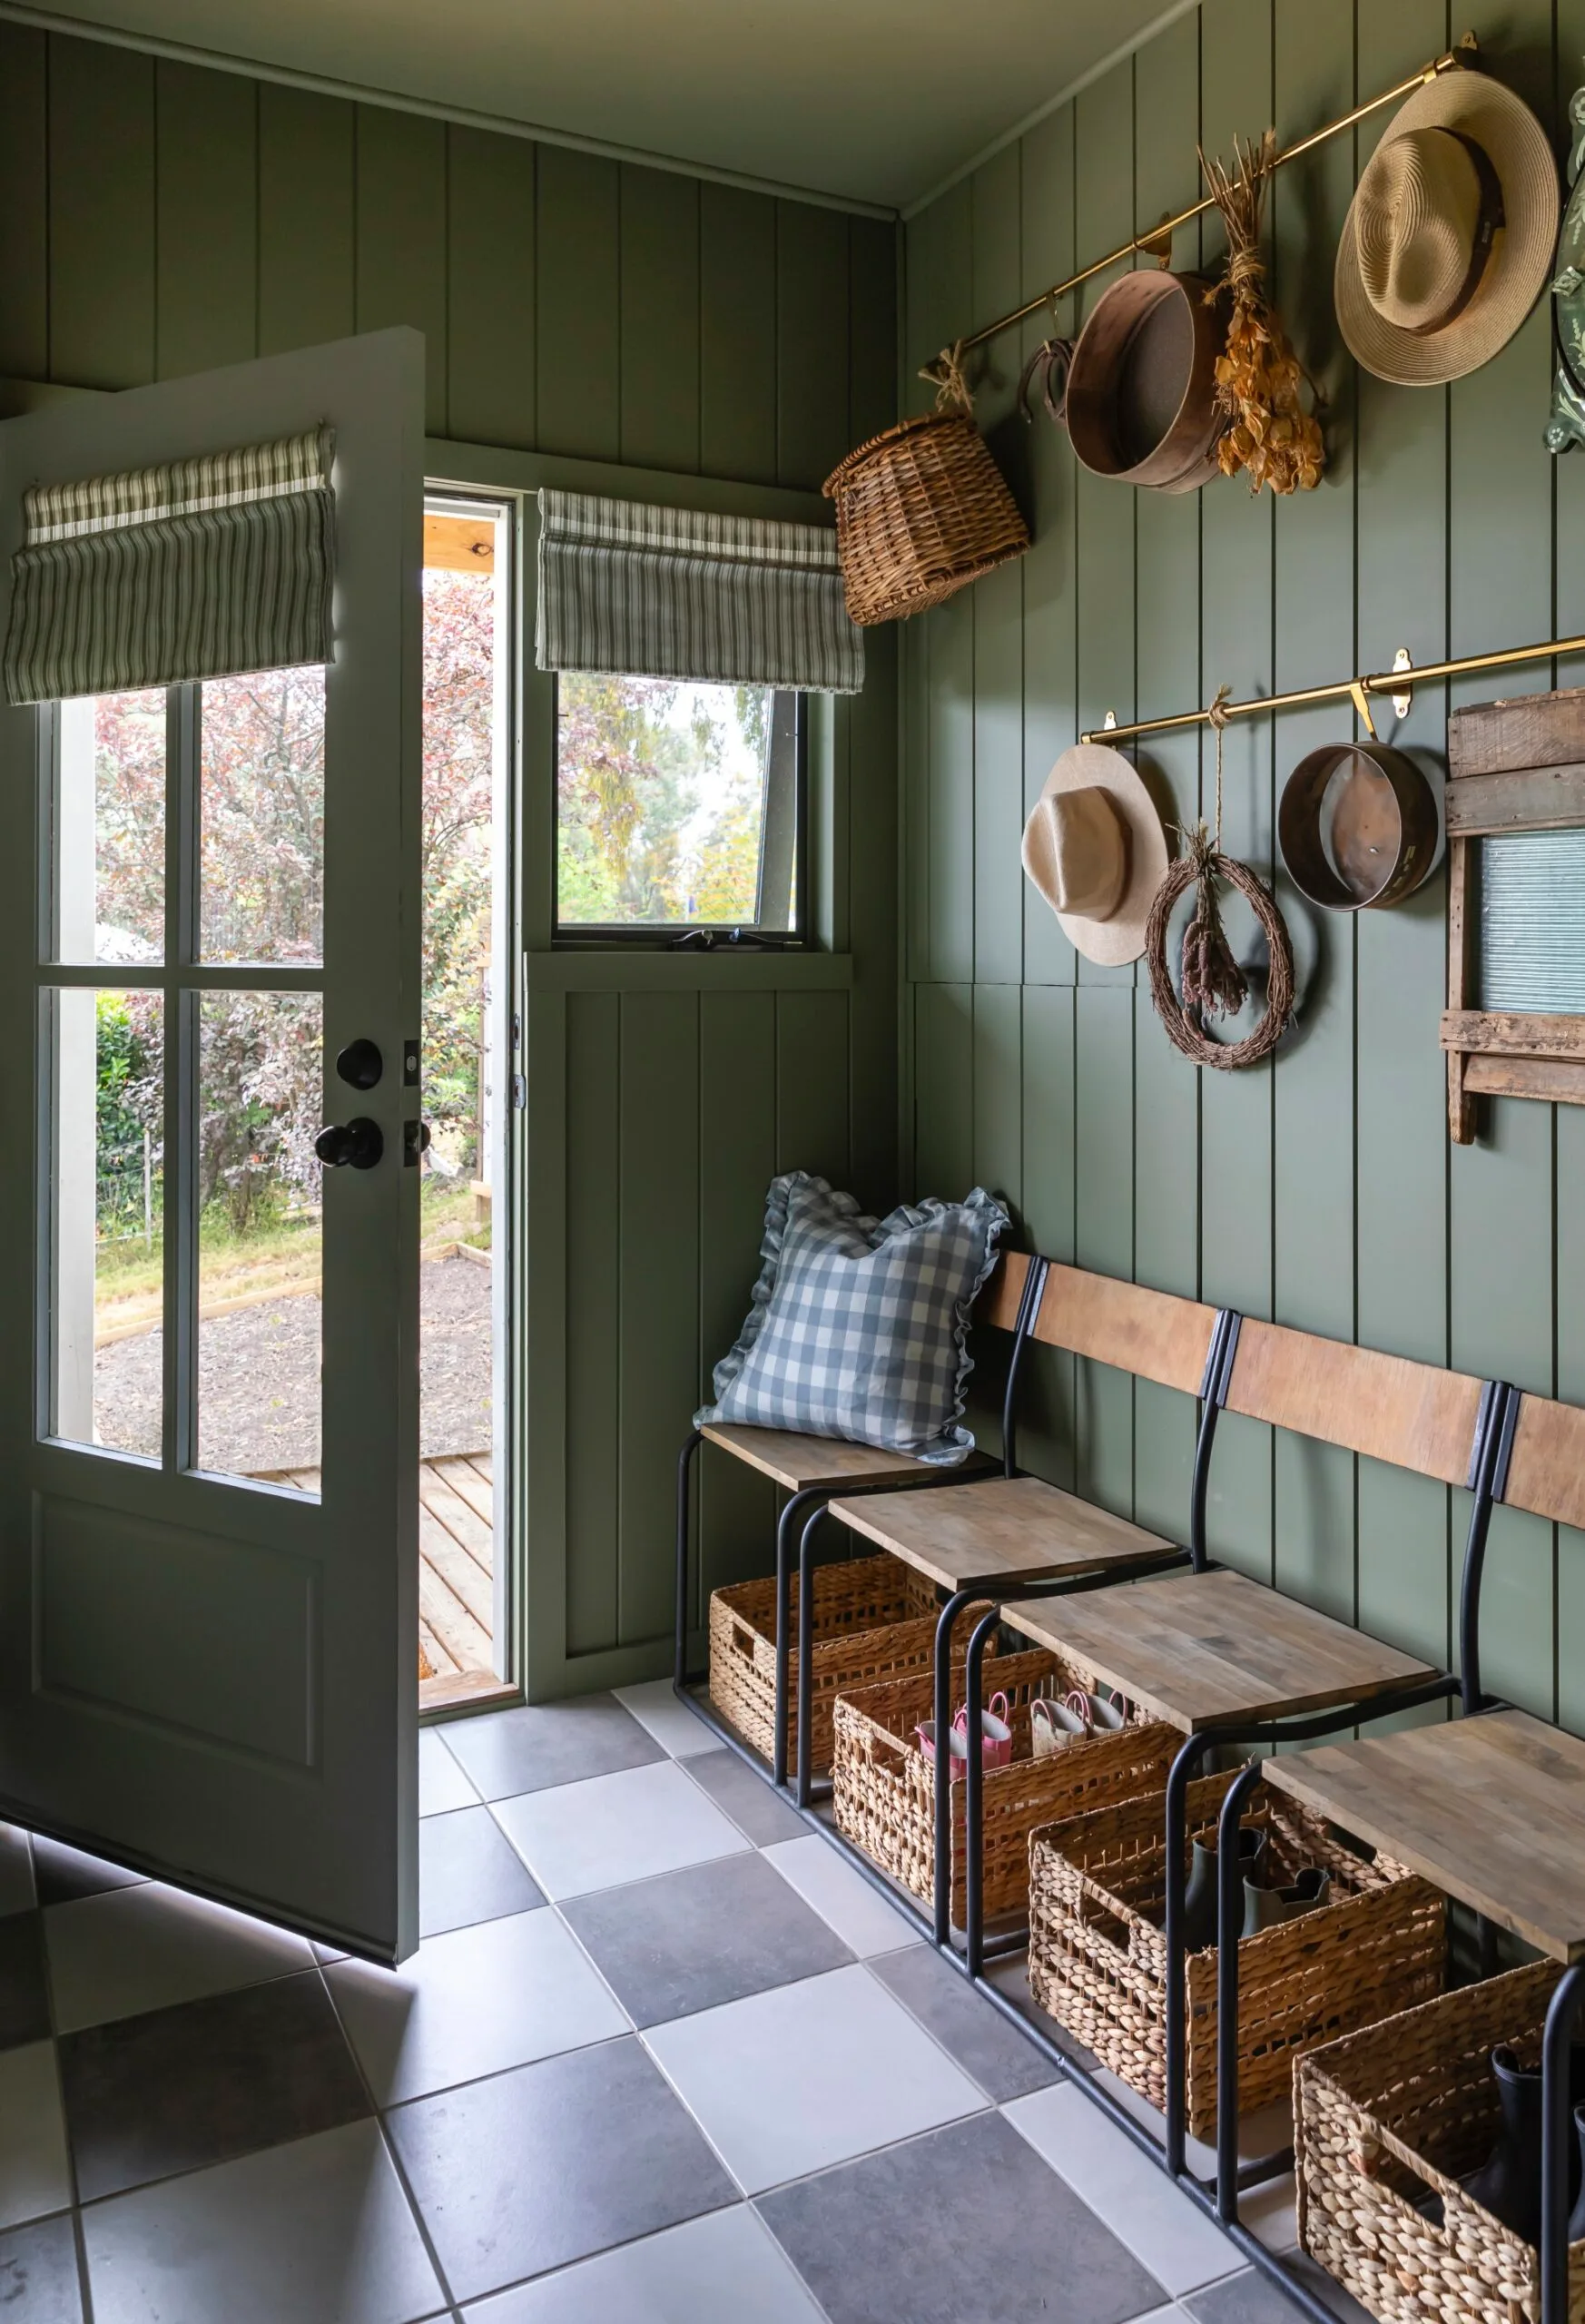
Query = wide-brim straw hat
x=1095 y=847
x=1429 y=285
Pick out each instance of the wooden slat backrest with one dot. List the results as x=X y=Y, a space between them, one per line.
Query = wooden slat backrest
x=1411 y=1415
x=1547 y=1472
x=1152 y=1333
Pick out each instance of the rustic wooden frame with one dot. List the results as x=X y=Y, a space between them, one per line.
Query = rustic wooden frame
x=1513 y=766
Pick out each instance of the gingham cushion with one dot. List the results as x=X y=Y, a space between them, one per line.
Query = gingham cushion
x=858 y=1326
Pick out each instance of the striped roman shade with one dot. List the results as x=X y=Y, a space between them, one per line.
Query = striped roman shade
x=670 y=593
x=200 y=568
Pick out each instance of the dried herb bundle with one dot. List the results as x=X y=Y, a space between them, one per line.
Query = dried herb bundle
x=1270 y=435
x=1214 y=985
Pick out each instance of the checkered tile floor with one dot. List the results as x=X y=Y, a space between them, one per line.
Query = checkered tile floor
x=662 y=2058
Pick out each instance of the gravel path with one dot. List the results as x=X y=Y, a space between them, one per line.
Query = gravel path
x=258 y=1370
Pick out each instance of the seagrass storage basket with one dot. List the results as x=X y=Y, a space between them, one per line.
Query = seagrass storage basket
x=885 y=1788
x=1097 y=1951
x=1405 y=2108
x=874 y=1617
x=921 y=509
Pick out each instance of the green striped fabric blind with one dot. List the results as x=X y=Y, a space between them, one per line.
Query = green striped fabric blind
x=674 y=593
x=199 y=568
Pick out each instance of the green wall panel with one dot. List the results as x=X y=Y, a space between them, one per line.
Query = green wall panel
x=738 y=333
x=660 y=320
x=490 y=312
x=594 y=1343
x=100 y=215
x=306 y=210
x=401 y=236
x=25 y=239
x=578 y=334
x=206 y=220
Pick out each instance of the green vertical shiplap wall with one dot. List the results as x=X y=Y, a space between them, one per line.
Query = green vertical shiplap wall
x=157 y=218
x=1320 y=1189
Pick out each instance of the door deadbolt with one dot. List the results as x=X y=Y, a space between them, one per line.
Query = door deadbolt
x=360 y=1065
x=361 y=1143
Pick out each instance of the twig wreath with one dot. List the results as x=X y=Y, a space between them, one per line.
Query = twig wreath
x=1214 y=985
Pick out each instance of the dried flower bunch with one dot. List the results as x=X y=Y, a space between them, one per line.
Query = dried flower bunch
x=1270 y=434
x=1214 y=985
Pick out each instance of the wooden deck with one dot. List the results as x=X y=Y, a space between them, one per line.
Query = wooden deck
x=456 y=1572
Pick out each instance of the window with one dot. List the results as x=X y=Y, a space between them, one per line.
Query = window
x=679 y=809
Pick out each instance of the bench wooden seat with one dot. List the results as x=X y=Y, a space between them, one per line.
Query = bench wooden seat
x=1216 y=1649
x=1491 y=1809
x=1007 y=1528
x=796 y=1462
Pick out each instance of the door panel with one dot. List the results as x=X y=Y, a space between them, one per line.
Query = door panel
x=206 y=1672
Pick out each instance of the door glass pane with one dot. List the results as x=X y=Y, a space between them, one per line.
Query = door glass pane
x=107 y=1218
x=261 y=804
x=261 y=1085
x=110 y=828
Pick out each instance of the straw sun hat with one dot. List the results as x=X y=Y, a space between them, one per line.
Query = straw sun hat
x=1095 y=848
x=1448 y=241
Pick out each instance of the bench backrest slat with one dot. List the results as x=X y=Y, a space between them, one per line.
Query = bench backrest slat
x=1411 y=1415
x=1547 y=1473
x=1153 y=1334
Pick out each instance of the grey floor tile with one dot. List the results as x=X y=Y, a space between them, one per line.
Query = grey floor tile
x=512 y=1751
x=693 y=1939
x=724 y=2269
x=62 y=1873
x=38 y=2274
x=747 y=1797
x=1247 y=2299
x=24 y=1999
x=471 y=2003
x=859 y=1914
x=316 y=2232
x=35 y=2171
x=535 y=2169
x=148 y=1947
x=177 y=2089
x=470 y=1871
x=964 y=2226
x=965 y=2024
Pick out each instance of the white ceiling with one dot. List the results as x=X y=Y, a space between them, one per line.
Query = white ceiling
x=868 y=99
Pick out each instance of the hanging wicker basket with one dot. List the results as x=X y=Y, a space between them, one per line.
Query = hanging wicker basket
x=921 y=511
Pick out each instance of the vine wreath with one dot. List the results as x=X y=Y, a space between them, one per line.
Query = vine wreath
x=1213 y=982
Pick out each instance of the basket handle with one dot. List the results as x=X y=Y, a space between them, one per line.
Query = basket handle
x=742 y=1639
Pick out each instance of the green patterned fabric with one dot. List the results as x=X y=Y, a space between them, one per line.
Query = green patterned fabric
x=676 y=592
x=200 y=568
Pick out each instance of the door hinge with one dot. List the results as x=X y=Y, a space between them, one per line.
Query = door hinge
x=519 y=1093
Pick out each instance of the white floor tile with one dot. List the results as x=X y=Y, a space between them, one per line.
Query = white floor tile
x=319 y=2232
x=655 y=1705
x=724 y=2269
x=1179 y=2246
x=16 y=1870
x=132 y=1949
x=1270 y=2213
x=442 y=1785
x=34 y=2174
x=471 y=2003
x=615 y=1828
x=863 y=1920
x=810 y=2074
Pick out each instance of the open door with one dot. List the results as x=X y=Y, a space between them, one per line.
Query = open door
x=209 y=926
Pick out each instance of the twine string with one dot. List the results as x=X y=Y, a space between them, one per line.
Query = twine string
x=945 y=374
x=1216 y=714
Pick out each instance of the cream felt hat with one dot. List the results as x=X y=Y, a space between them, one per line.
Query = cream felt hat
x=1448 y=241
x=1095 y=848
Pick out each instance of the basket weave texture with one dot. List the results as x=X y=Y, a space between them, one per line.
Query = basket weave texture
x=1409 y=2105
x=885 y=1788
x=921 y=509
x=874 y=1617
x=1097 y=1951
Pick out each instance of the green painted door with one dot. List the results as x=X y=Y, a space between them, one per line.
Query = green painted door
x=209 y=1378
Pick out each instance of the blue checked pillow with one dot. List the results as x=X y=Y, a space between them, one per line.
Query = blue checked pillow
x=858 y=1326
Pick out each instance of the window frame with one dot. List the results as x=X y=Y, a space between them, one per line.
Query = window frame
x=684 y=935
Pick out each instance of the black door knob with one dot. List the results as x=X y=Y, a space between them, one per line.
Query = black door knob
x=361 y=1142
x=360 y=1064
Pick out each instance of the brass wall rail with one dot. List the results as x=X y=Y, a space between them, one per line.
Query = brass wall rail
x=1159 y=238
x=1399 y=682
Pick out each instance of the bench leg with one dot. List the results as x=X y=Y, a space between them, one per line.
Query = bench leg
x=942 y=1883
x=1180 y=1775
x=1229 y=1928
x=974 y=1794
x=685 y=1477
x=797 y=1504
x=805 y=1761
x=1557 y=2139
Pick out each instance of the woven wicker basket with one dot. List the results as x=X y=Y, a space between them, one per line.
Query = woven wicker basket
x=1405 y=2107
x=874 y=1617
x=920 y=510
x=1098 y=1956
x=885 y=1790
